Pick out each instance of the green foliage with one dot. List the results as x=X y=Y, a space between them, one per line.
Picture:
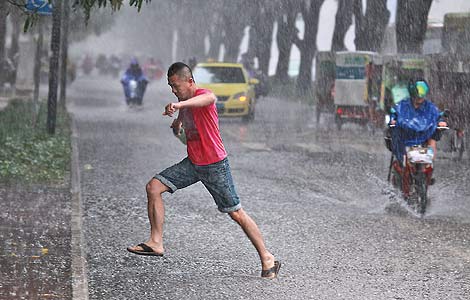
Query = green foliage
x=89 y=5
x=28 y=154
x=29 y=22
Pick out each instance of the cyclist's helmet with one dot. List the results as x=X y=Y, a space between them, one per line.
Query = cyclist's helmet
x=418 y=88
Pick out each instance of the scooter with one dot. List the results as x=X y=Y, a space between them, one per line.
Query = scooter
x=134 y=90
x=412 y=175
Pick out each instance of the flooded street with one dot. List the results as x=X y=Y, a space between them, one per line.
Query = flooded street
x=345 y=217
x=319 y=195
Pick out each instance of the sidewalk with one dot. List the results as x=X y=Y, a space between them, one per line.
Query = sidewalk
x=35 y=239
x=38 y=239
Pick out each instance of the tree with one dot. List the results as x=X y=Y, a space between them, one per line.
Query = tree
x=370 y=28
x=88 y=5
x=286 y=32
x=3 y=32
x=216 y=35
x=411 y=25
x=234 y=25
x=54 y=67
x=100 y=20
x=343 y=21
x=13 y=52
x=64 y=51
x=191 y=41
x=308 y=47
x=261 y=31
x=37 y=71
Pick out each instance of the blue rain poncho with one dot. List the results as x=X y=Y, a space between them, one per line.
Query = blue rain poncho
x=413 y=126
x=134 y=73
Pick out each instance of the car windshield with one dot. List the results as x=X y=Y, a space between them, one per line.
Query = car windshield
x=218 y=75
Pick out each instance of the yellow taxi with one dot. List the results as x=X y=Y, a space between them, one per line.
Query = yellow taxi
x=230 y=83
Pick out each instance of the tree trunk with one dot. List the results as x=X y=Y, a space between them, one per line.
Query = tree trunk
x=64 y=52
x=14 y=50
x=215 y=37
x=165 y=51
x=37 y=71
x=235 y=22
x=178 y=45
x=308 y=46
x=261 y=31
x=411 y=25
x=54 y=67
x=266 y=40
x=234 y=31
x=370 y=28
x=192 y=41
x=254 y=34
x=285 y=32
x=3 y=32
x=343 y=21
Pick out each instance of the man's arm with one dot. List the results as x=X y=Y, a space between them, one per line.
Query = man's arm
x=176 y=126
x=197 y=101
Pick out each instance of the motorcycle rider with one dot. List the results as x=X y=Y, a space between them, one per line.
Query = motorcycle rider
x=114 y=65
x=416 y=119
x=87 y=64
x=134 y=72
x=262 y=88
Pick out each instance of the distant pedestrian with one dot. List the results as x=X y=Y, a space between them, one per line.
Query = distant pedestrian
x=206 y=162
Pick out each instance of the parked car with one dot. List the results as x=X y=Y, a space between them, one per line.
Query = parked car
x=231 y=84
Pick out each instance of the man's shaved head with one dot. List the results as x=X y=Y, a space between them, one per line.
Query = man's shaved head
x=180 y=69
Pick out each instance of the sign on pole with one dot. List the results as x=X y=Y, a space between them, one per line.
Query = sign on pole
x=41 y=7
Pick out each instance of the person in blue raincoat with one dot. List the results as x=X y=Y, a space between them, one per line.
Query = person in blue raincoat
x=134 y=72
x=416 y=120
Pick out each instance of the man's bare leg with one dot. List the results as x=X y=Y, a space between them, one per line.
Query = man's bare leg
x=432 y=144
x=156 y=215
x=254 y=234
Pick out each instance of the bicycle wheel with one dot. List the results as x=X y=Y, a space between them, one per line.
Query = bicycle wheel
x=421 y=189
x=395 y=178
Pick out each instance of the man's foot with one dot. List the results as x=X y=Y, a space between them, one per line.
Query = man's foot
x=144 y=249
x=273 y=271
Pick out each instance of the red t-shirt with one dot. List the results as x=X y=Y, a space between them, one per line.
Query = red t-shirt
x=201 y=126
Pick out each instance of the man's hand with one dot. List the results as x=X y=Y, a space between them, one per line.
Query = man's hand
x=171 y=108
x=176 y=125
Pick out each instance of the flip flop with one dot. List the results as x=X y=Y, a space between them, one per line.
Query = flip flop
x=274 y=270
x=146 y=250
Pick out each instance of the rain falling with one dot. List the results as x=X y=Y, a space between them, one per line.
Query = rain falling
x=234 y=149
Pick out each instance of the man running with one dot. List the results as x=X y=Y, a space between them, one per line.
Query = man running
x=206 y=162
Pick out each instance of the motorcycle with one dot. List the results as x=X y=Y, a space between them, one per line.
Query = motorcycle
x=412 y=174
x=87 y=65
x=114 y=66
x=262 y=88
x=134 y=89
x=153 y=71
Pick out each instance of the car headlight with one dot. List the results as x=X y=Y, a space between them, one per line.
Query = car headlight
x=240 y=97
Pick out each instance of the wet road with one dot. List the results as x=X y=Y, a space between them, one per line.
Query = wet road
x=320 y=198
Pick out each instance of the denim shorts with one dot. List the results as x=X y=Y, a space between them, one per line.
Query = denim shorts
x=216 y=177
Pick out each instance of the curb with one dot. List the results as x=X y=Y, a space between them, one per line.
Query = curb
x=79 y=264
